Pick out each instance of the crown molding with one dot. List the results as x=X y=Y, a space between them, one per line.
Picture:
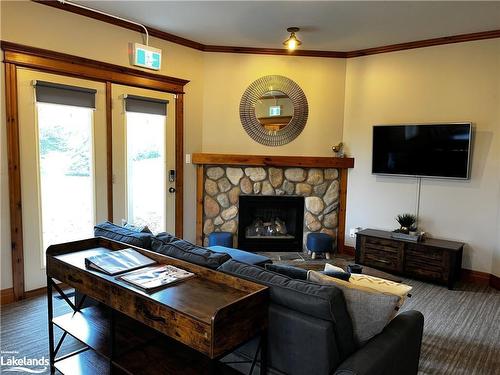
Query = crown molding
x=274 y=51
x=426 y=43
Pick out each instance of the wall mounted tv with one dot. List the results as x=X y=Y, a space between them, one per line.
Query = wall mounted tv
x=422 y=150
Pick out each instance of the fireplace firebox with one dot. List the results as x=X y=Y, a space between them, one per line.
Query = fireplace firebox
x=271 y=223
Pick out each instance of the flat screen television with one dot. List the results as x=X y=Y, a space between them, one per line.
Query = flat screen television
x=422 y=150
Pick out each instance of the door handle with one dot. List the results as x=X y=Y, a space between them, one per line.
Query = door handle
x=171 y=190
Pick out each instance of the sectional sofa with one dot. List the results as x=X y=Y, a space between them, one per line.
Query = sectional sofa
x=310 y=330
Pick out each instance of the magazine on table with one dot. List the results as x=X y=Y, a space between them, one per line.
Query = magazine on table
x=116 y=262
x=156 y=277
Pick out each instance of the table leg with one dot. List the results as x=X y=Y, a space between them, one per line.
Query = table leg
x=263 y=353
x=112 y=324
x=50 y=312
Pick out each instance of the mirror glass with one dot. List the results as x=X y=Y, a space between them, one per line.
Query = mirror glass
x=274 y=110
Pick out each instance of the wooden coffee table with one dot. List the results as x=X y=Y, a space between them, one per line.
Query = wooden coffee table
x=187 y=326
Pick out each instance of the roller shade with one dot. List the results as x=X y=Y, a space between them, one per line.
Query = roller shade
x=56 y=93
x=141 y=104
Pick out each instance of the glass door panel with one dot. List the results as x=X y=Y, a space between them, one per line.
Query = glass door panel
x=143 y=153
x=63 y=169
x=146 y=170
x=66 y=173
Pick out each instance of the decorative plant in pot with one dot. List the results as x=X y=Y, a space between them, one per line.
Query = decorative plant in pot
x=407 y=223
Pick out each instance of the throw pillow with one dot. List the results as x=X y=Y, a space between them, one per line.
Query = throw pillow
x=290 y=271
x=370 y=310
x=376 y=283
x=137 y=228
x=337 y=272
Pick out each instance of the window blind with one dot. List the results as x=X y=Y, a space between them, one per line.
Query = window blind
x=56 y=93
x=142 y=104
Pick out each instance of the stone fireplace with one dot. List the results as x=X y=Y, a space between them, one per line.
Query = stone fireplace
x=223 y=180
x=271 y=222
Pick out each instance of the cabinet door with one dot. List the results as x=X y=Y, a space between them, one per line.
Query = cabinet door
x=427 y=262
x=382 y=253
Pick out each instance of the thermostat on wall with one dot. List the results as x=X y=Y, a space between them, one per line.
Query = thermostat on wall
x=147 y=57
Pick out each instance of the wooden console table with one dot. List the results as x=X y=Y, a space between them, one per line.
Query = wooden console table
x=431 y=259
x=184 y=328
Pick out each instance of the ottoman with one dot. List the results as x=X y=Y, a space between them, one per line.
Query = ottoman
x=319 y=243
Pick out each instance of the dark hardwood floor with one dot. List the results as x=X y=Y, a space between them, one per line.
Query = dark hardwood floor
x=461 y=333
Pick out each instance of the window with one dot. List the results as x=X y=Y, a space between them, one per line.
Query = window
x=146 y=170
x=66 y=172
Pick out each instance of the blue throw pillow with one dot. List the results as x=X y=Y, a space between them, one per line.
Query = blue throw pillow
x=337 y=274
x=290 y=271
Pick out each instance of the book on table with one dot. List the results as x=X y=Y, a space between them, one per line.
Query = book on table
x=116 y=262
x=156 y=277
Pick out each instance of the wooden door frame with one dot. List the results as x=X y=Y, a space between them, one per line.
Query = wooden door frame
x=17 y=55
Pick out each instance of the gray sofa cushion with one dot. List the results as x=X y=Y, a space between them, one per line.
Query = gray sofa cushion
x=189 y=252
x=122 y=234
x=319 y=301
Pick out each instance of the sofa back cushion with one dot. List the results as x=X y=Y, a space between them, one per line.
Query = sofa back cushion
x=187 y=251
x=166 y=237
x=122 y=234
x=319 y=301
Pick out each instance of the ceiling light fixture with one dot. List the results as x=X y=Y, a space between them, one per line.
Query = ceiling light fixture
x=292 y=42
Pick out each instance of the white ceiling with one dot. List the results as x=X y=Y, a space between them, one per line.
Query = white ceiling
x=325 y=25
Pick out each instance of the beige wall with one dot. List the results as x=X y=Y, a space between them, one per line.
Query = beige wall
x=41 y=26
x=457 y=82
x=228 y=75
x=446 y=83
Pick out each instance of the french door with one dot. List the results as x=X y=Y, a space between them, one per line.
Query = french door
x=143 y=157
x=62 y=139
x=63 y=159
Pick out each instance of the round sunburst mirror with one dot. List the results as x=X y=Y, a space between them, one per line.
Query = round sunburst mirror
x=273 y=110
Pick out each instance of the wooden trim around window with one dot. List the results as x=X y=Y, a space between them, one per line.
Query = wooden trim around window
x=16 y=55
x=179 y=165
x=109 y=149
x=15 y=198
x=275 y=51
x=80 y=67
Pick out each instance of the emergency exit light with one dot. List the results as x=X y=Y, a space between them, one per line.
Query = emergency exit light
x=147 y=57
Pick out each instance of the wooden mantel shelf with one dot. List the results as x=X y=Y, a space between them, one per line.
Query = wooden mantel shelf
x=273 y=161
